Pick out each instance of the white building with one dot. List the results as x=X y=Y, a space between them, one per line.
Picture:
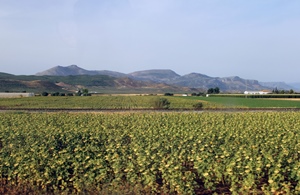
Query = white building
x=15 y=95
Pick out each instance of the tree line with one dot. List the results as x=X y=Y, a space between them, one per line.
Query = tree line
x=276 y=91
x=80 y=92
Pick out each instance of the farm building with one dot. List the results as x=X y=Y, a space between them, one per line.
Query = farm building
x=256 y=92
x=15 y=95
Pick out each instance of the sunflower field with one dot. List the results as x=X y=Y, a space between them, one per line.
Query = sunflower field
x=150 y=153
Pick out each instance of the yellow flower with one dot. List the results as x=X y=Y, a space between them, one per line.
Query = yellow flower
x=270 y=181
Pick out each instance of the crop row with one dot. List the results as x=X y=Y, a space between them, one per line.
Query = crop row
x=185 y=153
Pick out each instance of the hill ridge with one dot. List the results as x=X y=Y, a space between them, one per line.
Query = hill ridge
x=168 y=76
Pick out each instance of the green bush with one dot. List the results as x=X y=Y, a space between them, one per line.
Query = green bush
x=198 y=105
x=55 y=94
x=168 y=94
x=161 y=103
x=45 y=93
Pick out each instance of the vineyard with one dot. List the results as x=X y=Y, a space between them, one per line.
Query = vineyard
x=147 y=153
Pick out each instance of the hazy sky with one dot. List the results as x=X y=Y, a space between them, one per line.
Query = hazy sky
x=253 y=39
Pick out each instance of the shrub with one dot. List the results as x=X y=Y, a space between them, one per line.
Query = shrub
x=169 y=94
x=45 y=93
x=198 y=105
x=162 y=103
x=55 y=94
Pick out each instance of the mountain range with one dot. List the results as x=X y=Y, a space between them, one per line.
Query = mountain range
x=166 y=76
x=70 y=78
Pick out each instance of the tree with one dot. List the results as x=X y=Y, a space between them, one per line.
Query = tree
x=45 y=93
x=215 y=90
x=55 y=94
x=276 y=91
x=169 y=94
x=210 y=91
x=83 y=92
x=201 y=94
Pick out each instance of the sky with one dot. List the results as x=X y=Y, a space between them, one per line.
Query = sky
x=257 y=39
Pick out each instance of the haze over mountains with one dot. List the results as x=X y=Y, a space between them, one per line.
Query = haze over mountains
x=166 y=76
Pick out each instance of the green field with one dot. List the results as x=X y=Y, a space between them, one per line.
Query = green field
x=144 y=102
x=237 y=102
x=150 y=153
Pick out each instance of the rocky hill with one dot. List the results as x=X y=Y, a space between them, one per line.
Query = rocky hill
x=66 y=71
x=156 y=75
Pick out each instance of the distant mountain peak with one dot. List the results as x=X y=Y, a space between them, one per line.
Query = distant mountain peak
x=73 y=66
x=64 y=71
x=155 y=71
x=157 y=75
x=195 y=74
